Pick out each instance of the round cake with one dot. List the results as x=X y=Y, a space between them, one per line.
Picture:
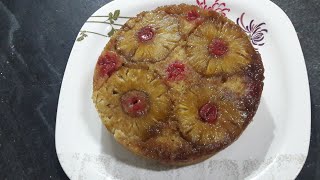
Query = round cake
x=178 y=84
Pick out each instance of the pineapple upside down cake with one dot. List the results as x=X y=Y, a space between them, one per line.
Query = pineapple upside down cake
x=178 y=84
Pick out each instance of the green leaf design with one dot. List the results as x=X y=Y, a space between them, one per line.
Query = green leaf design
x=110 y=16
x=116 y=14
x=80 y=38
x=112 y=31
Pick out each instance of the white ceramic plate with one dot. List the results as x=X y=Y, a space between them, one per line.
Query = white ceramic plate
x=275 y=144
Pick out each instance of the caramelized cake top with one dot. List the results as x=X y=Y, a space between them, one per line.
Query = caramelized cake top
x=178 y=84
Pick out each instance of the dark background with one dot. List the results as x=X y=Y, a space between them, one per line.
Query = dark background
x=36 y=37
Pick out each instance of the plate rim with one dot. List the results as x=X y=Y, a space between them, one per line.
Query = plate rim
x=303 y=70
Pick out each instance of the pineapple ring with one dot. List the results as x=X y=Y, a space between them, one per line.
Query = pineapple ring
x=109 y=105
x=189 y=17
x=224 y=130
x=230 y=59
x=177 y=82
x=150 y=46
x=235 y=87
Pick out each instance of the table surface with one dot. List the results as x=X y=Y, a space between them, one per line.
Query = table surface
x=36 y=37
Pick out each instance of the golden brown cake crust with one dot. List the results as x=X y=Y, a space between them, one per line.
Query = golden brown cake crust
x=178 y=84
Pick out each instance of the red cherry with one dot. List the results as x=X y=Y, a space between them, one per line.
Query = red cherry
x=193 y=15
x=218 y=47
x=176 y=71
x=135 y=103
x=208 y=113
x=146 y=34
x=108 y=63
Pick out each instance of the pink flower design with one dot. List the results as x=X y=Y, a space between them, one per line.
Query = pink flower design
x=216 y=6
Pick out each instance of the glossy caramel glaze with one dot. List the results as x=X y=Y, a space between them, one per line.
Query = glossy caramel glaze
x=178 y=84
